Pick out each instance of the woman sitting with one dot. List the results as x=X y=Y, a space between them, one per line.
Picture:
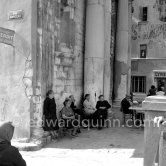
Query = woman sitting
x=49 y=115
x=74 y=107
x=90 y=112
x=88 y=108
x=102 y=107
x=69 y=117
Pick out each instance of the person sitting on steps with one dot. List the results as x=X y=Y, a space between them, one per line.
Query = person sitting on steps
x=68 y=116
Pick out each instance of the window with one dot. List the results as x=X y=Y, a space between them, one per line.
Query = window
x=143 y=13
x=143 y=50
x=138 y=84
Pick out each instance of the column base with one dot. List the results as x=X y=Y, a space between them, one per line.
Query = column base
x=116 y=103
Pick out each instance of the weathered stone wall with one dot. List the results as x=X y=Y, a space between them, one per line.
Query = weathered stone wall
x=68 y=67
x=151 y=32
x=60 y=46
x=16 y=68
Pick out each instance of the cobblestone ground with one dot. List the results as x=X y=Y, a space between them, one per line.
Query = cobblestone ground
x=113 y=146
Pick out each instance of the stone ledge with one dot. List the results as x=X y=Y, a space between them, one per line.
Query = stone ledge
x=32 y=145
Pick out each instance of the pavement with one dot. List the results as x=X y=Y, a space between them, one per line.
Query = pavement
x=110 y=146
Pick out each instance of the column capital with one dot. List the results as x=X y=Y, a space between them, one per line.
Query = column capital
x=94 y=2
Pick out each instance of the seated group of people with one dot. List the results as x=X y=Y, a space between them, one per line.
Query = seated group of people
x=73 y=117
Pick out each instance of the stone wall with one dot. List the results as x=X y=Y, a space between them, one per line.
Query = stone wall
x=68 y=66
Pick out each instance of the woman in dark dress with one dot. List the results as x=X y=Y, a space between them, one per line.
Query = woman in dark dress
x=50 y=117
x=102 y=107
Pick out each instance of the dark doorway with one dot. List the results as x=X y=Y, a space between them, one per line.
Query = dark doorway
x=161 y=82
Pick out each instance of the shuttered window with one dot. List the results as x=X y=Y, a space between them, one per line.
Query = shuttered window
x=144 y=13
x=138 y=84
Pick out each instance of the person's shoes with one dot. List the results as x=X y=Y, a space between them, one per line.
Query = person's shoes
x=99 y=128
x=74 y=135
x=84 y=125
x=79 y=131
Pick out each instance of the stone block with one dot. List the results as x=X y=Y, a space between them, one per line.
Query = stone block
x=60 y=68
x=27 y=82
x=61 y=75
x=66 y=69
x=71 y=74
x=59 y=82
x=67 y=61
x=57 y=61
x=29 y=92
x=28 y=72
x=60 y=89
x=37 y=99
x=68 y=89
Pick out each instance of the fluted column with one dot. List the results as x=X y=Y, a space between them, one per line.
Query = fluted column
x=123 y=53
x=94 y=49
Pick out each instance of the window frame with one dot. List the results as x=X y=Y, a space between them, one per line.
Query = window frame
x=140 y=52
x=143 y=82
x=142 y=14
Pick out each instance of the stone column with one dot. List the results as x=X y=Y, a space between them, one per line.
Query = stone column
x=122 y=58
x=94 y=49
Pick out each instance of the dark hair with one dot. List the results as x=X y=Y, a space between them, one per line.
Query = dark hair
x=86 y=96
x=101 y=96
x=49 y=92
x=66 y=101
x=153 y=87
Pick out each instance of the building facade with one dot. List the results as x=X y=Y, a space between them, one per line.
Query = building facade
x=148 y=45
x=64 y=45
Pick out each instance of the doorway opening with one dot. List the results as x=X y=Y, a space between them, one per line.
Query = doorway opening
x=161 y=82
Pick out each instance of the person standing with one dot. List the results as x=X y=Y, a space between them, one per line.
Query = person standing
x=49 y=114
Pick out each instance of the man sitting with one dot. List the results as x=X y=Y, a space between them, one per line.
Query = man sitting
x=102 y=107
x=125 y=104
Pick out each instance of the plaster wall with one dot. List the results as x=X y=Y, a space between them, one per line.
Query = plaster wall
x=16 y=68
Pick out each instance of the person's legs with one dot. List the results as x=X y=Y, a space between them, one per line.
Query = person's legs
x=104 y=117
x=75 y=126
x=97 y=119
x=52 y=134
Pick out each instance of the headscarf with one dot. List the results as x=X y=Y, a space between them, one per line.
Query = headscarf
x=6 y=132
